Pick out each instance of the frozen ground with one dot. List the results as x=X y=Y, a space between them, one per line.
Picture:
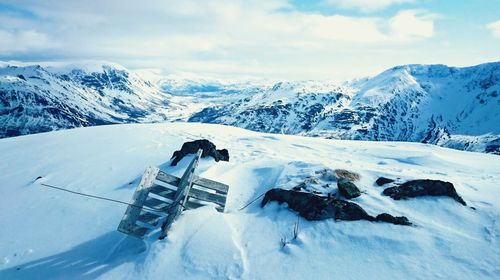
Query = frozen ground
x=48 y=234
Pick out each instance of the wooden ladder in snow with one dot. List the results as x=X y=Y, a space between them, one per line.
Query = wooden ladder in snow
x=163 y=197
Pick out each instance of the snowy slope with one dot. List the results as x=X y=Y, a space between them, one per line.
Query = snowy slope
x=47 y=234
x=448 y=106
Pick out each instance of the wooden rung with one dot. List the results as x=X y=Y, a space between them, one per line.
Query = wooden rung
x=203 y=182
x=149 y=218
x=156 y=204
x=162 y=191
x=167 y=178
x=210 y=184
x=137 y=231
x=195 y=204
x=206 y=196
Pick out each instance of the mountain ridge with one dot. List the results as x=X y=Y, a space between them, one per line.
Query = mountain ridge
x=431 y=104
x=456 y=107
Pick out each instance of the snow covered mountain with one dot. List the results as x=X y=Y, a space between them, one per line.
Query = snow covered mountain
x=35 y=98
x=49 y=234
x=447 y=106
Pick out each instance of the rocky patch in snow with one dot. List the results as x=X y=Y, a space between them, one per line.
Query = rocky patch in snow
x=425 y=187
x=348 y=189
x=314 y=207
x=382 y=181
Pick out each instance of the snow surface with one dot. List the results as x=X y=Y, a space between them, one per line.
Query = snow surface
x=49 y=234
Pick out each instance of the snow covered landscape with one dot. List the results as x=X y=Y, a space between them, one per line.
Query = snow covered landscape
x=58 y=235
x=248 y=139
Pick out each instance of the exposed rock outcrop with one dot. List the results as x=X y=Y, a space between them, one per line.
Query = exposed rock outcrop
x=347 y=175
x=424 y=187
x=313 y=207
x=401 y=220
x=382 y=181
x=209 y=149
x=348 y=189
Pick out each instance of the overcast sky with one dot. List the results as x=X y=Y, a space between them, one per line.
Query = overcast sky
x=276 y=39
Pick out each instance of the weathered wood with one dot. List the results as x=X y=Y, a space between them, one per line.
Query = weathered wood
x=203 y=182
x=193 y=204
x=190 y=204
x=128 y=222
x=206 y=196
x=149 y=218
x=167 y=178
x=138 y=231
x=163 y=192
x=182 y=194
x=157 y=204
x=210 y=184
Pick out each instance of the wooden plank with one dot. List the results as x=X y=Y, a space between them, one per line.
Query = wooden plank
x=193 y=204
x=206 y=196
x=181 y=196
x=127 y=224
x=167 y=178
x=163 y=192
x=190 y=204
x=157 y=204
x=211 y=184
x=203 y=182
x=149 y=218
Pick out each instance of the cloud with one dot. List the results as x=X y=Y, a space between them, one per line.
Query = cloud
x=230 y=36
x=410 y=25
x=22 y=41
x=494 y=27
x=366 y=5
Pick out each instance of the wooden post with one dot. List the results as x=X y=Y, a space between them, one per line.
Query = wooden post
x=181 y=196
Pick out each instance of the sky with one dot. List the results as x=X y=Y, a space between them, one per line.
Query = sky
x=274 y=39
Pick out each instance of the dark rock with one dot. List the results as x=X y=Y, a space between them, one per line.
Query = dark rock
x=313 y=207
x=348 y=189
x=348 y=211
x=347 y=175
x=388 y=218
x=208 y=148
x=308 y=205
x=493 y=149
x=382 y=181
x=423 y=187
